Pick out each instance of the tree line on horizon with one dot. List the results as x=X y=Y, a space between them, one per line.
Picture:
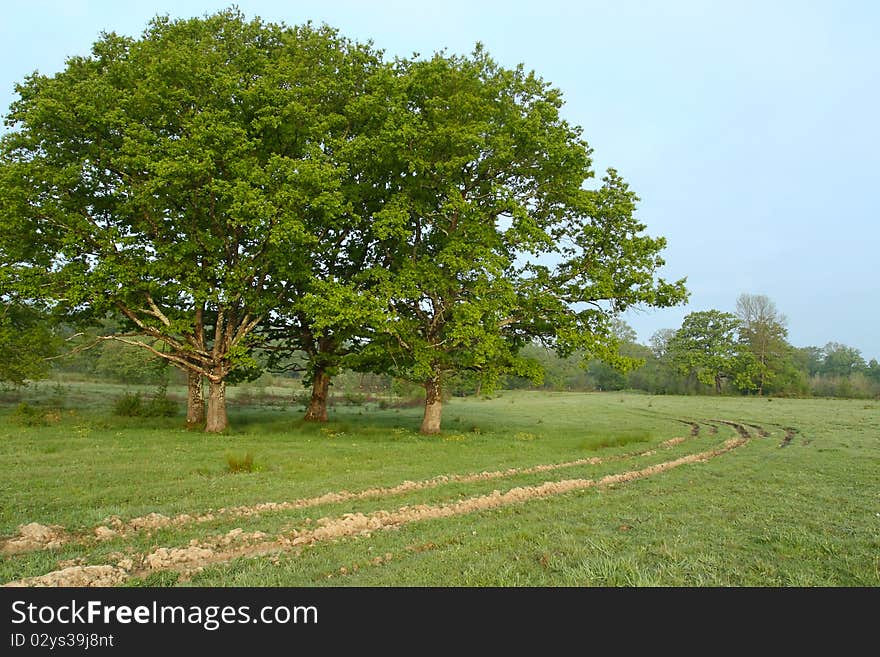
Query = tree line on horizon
x=715 y=352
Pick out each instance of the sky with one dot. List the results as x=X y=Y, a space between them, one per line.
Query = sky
x=750 y=130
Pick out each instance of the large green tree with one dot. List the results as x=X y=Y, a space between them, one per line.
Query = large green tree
x=489 y=183
x=181 y=180
x=323 y=319
x=706 y=347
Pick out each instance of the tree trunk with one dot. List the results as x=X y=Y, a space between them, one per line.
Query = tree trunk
x=479 y=388
x=717 y=384
x=195 y=403
x=317 y=411
x=217 y=421
x=433 y=406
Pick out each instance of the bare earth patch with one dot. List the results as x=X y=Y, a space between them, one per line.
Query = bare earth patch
x=77 y=576
x=236 y=544
x=35 y=536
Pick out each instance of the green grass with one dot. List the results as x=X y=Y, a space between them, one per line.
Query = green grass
x=807 y=514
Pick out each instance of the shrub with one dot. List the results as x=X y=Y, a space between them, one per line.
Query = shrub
x=302 y=398
x=354 y=398
x=32 y=416
x=235 y=463
x=129 y=405
x=132 y=405
x=160 y=406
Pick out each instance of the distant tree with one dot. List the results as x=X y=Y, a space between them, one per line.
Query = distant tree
x=809 y=359
x=609 y=376
x=841 y=360
x=873 y=371
x=605 y=376
x=659 y=342
x=762 y=331
x=706 y=347
x=26 y=341
x=557 y=372
x=623 y=332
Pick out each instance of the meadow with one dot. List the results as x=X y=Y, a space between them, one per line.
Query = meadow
x=520 y=489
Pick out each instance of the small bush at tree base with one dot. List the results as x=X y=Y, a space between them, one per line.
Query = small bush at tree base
x=132 y=405
x=160 y=407
x=129 y=405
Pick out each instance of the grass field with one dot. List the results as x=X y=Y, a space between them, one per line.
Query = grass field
x=725 y=506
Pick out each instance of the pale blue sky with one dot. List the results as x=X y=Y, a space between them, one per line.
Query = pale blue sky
x=751 y=130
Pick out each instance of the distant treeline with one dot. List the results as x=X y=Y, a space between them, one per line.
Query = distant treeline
x=834 y=370
x=719 y=353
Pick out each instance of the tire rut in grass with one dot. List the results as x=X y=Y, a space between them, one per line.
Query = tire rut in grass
x=740 y=429
x=761 y=430
x=790 y=433
x=695 y=427
x=36 y=537
x=236 y=544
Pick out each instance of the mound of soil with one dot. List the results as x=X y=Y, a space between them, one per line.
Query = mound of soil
x=34 y=536
x=77 y=576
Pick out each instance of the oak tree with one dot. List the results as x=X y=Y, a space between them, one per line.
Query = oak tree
x=181 y=180
x=489 y=183
x=706 y=347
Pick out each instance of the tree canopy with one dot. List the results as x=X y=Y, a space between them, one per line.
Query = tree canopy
x=183 y=180
x=706 y=346
x=490 y=182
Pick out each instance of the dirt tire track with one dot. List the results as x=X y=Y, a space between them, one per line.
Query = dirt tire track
x=740 y=429
x=695 y=427
x=199 y=555
x=37 y=537
x=761 y=430
x=790 y=433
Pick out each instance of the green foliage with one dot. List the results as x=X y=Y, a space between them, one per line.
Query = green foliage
x=171 y=178
x=487 y=174
x=706 y=347
x=840 y=360
x=133 y=405
x=764 y=363
x=873 y=371
x=129 y=404
x=225 y=183
x=26 y=340
x=32 y=416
